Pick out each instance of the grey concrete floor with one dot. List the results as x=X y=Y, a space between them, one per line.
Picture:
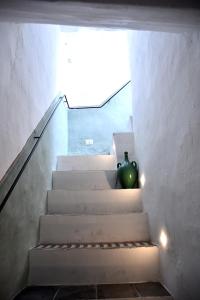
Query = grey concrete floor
x=106 y=291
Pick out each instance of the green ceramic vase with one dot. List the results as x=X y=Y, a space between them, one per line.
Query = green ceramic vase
x=127 y=173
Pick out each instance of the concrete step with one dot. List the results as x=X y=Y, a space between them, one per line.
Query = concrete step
x=84 y=180
x=94 y=202
x=93 y=266
x=86 y=162
x=93 y=228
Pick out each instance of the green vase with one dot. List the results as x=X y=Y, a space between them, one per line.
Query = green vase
x=127 y=173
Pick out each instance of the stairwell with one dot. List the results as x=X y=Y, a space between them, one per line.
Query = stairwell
x=95 y=234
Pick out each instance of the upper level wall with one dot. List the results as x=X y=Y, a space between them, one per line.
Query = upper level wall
x=99 y=124
x=166 y=110
x=28 y=59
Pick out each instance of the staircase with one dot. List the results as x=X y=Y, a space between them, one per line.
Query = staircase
x=94 y=233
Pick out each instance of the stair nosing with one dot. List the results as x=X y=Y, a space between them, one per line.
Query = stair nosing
x=89 y=190
x=96 y=245
x=85 y=171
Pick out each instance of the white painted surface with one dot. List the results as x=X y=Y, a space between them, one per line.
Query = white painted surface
x=19 y=220
x=166 y=113
x=94 y=202
x=124 y=141
x=60 y=229
x=27 y=85
x=80 y=266
x=84 y=180
x=86 y=162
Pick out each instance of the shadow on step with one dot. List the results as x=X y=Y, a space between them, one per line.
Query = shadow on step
x=107 y=291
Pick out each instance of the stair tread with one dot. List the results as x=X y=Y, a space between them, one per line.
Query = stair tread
x=95 y=191
x=87 y=156
x=93 y=215
x=85 y=171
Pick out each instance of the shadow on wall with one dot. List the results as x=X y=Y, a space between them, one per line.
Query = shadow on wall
x=90 y=130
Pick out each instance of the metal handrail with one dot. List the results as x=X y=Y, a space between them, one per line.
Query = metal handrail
x=12 y=176
x=98 y=106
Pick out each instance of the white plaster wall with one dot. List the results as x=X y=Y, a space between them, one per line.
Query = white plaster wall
x=19 y=219
x=28 y=61
x=166 y=114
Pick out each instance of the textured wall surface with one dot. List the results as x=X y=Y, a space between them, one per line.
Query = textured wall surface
x=27 y=85
x=166 y=109
x=19 y=220
x=99 y=124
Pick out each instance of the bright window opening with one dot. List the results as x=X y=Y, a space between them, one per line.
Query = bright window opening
x=94 y=64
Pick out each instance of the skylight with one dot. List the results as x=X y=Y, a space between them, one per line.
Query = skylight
x=94 y=64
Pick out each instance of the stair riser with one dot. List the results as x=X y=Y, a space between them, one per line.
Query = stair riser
x=94 y=202
x=82 y=267
x=58 y=229
x=85 y=180
x=97 y=162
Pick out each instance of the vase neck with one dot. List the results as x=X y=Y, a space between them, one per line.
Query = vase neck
x=126 y=156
